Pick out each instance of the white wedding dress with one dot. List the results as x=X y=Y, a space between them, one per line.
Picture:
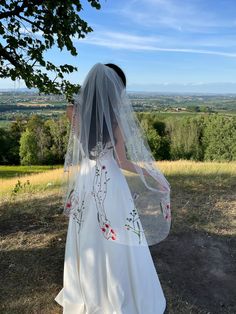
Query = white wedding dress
x=102 y=275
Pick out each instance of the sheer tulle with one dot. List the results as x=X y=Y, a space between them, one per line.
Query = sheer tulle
x=101 y=108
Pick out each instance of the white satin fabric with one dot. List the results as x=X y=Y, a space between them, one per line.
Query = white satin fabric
x=101 y=275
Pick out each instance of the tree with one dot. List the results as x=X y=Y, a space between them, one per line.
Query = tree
x=4 y=146
x=59 y=134
x=28 y=148
x=185 y=138
x=219 y=138
x=153 y=139
x=9 y=142
x=35 y=143
x=164 y=149
x=44 y=142
x=28 y=28
x=157 y=135
x=15 y=130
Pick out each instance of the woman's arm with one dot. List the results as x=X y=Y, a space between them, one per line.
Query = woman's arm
x=120 y=149
x=69 y=111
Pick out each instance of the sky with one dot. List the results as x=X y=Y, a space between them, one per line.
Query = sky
x=162 y=45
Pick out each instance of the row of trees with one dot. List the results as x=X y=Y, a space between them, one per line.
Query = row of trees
x=202 y=138
x=35 y=142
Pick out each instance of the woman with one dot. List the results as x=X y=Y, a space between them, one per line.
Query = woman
x=108 y=267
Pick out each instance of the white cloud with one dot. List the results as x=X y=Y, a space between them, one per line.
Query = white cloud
x=175 y=14
x=118 y=40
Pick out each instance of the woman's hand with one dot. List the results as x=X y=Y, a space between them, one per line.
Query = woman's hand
x=69 y=111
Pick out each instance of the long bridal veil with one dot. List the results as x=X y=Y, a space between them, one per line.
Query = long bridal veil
x=102 y=106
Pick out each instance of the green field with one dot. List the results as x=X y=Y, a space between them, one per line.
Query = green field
x=195 y=262
x=177 y=115
x=4 y=123
x=19 y=171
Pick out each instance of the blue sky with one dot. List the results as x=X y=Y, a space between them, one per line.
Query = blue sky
x=162 y=45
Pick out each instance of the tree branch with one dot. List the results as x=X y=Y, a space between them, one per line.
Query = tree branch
x=20 y=9
x=30 y=22
x=17 y=10
x=8 y=57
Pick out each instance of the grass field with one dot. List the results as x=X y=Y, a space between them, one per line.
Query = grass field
x=195 y=263
x=18 y=171
x=4 y=123
x=181 y=114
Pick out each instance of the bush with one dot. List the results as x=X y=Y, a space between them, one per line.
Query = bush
x=219 y=138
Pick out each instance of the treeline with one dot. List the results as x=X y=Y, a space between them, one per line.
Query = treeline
x=13 y=108
x=34 y=142
x=201 y=138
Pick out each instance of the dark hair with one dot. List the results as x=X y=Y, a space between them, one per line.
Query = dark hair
x=106 y=136
x=118 y=71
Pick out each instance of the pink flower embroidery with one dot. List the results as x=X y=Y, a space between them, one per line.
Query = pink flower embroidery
x=108 y=232
x=166 y=210
x=68 y=205
x=99 y=193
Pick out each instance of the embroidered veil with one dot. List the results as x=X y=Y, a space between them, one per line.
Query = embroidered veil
x=102 y=110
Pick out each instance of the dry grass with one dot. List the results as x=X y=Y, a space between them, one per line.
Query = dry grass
x=38 y=182
x=169 y=168
x=195 y=258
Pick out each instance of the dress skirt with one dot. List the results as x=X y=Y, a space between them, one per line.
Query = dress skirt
x=102 y=273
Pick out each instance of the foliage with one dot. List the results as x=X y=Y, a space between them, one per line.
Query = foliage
x=16 y=129
x=153 y=138
x=19 y=186
x=4 y=145
x=28 y=148
x=28 y=29
x=200 y=138
x=59 y=133
x=220 y=139
x=10 y=142
x=209 y=137
x=185 y=137
x=44 y=142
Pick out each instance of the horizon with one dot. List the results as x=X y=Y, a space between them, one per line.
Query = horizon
x=173 y=93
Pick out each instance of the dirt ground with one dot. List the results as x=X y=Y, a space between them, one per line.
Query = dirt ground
x=197 y=272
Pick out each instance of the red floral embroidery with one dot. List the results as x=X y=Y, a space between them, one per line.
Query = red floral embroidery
x=76 y=206
x=165 y=208
x=69 y=200
x=99 y=193
x=108 y=232
x=68 y=205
